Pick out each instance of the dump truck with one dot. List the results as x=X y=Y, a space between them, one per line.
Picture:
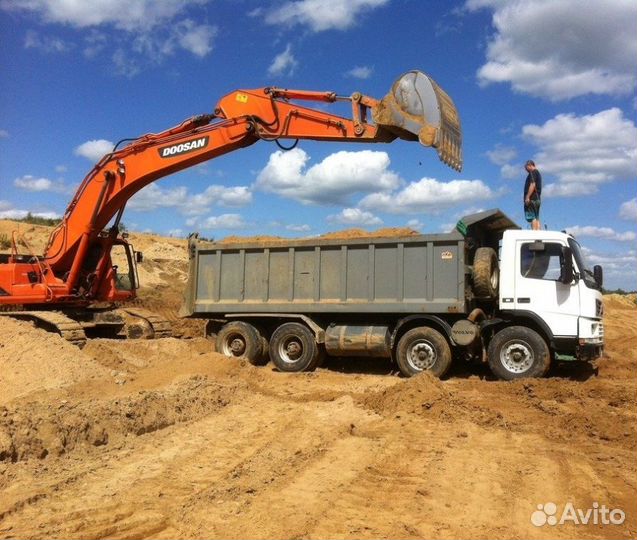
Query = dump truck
x=487 y=291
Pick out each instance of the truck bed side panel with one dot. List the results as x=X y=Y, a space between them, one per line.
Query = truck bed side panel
x=420 y=274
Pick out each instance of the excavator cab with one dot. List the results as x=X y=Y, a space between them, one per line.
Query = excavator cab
x=417 y=109
x=124 y=269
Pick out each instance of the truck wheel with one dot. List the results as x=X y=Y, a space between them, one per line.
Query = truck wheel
x=293 y=348
x=486 y=276
x=517 y=352
x=241 y=340
x=423 y=349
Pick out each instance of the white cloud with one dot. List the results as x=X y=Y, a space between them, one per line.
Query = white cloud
x=47 y=44
x=320 y=15
x=140 y=32
x=94 y=150
x=628 y=210
x=32 y=183
x=94 y=43
x=125 y=65
x=584 y=151
x=223 y=221
x=4 y=134
x=123 y=14
x=428 y=195
x=355 y=216
x=8 y=211
x=416 y=224
x=360 y=72
x=186 y=34
x=502 y=154
x=153 y=197
x=571 y=189
x=298 y=228
x=559 y=50
x=509 y=171
x=601 y=232
x=284 y=63
x=619 y=268
x=333 y=181
x=195 y=38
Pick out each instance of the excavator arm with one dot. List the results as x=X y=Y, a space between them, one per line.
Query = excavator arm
x=77 y=258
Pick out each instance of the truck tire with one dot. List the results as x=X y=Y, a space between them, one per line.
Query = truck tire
x=241 y=340
x=486 y=275
x=293 y=348
x=517 y=352
x=423 y=349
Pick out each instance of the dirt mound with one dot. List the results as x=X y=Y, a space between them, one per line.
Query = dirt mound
x=345 y=234
x=261 y=239
x=348 y=234
x=35 y=235
x=38 y=430
x=409 y=395
x=34 y=360
x=174 y=250
x=620 y=301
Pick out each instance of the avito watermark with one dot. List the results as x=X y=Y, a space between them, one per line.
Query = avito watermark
x=596 y=514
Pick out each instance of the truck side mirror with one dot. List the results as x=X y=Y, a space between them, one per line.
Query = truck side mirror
x=139 y=256
x=598 y=274
x=566 y=274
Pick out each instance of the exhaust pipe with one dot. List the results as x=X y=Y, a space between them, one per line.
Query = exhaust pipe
x=417 y=109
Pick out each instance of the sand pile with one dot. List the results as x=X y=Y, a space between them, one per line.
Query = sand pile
x=33 y=360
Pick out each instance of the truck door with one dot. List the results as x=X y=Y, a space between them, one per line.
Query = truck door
x=538 y=288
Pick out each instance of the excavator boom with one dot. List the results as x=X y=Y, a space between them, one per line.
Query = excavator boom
x=77 y=269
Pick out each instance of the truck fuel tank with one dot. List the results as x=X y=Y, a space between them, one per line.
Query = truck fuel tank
x=348 y=340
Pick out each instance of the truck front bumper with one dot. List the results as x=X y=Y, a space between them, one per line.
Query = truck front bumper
x=590 y=344
x=589 y=351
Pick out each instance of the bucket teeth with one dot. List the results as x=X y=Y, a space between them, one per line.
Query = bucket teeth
x=450 y=148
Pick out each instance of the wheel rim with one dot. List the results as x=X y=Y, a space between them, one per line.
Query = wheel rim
x=495 y=278
x=234 y=345
x=291 y=350
x=517 y=356
x=421 y=355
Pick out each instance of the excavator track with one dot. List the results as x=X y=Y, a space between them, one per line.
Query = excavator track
x=134 y=323
x=153 y=326
x=71 y=330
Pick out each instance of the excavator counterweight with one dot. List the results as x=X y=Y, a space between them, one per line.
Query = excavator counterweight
x=417 y=108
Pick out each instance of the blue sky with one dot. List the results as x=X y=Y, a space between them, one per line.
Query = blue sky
x=549 y=80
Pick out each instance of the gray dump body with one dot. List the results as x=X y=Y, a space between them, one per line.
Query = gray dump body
x=408 y=274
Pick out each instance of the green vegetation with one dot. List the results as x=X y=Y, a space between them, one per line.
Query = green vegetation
x=36 y=220
x=617 y=291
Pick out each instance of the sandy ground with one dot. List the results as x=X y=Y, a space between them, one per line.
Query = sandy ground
x=165 y=438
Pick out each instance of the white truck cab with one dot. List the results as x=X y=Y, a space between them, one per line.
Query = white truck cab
x=544 y=279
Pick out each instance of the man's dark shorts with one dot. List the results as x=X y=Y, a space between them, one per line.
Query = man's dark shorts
x=532 y=210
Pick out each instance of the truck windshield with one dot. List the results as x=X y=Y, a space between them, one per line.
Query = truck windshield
x=585 y=272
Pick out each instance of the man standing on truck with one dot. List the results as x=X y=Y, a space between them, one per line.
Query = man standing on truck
x=532 y=192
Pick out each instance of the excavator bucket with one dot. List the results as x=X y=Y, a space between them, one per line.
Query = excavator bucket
x=417 y=108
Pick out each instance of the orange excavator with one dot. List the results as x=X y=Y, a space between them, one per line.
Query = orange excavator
x=84 y=263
